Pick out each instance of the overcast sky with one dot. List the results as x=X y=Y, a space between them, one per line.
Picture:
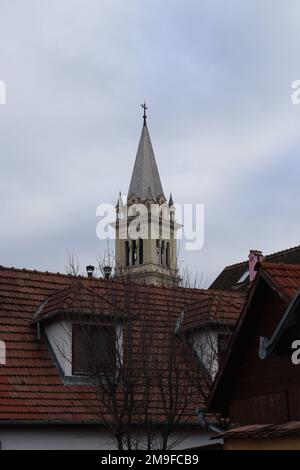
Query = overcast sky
x=216 y=76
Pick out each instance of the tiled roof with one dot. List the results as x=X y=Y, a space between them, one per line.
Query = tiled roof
x=286 y=277
x=214 y=307
x=30 y=385
x=255 y=431
x=285 y=280
x=77 y=298
x=31 y=388
x=230 y=275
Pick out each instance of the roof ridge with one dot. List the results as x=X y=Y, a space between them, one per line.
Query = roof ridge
x=85 y=279
x=277 y=253
x=287 y=250
x=36 y=271
x=228 y=293
x=288 y=266
x=215 y=304
x=233 y=265
x=229 y=300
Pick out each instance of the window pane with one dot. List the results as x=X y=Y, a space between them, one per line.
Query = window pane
x=94 y=349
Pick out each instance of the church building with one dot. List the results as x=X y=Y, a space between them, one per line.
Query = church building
x=150 y=256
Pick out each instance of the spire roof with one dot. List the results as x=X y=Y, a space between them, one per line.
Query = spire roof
x=145 y=177
x=171 y=202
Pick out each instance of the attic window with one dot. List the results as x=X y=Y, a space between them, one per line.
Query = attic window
x=243 y=278
x=93 y=349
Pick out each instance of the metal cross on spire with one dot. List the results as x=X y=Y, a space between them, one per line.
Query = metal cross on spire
x=144 y=115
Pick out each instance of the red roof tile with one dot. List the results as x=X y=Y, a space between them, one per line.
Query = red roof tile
x=285 y=277
x=214 y=307
x=31 y=387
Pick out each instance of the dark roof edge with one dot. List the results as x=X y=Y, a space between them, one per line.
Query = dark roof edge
x=73 y=312
x=24 y=422
x=267 y=345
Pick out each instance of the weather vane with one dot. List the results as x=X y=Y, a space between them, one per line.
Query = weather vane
x=144 y=115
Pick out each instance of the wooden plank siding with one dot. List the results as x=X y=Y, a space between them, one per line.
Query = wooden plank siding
x=260 y=409
x=264 y=391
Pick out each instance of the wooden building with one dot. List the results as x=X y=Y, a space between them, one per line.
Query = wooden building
x=258 y=386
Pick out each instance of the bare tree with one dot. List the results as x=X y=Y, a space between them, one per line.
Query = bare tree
x=144 y=368
x=72 y=265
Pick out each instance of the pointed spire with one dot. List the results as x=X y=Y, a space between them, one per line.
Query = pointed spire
x=120 y=201
x=145 y=174
x=171 y=202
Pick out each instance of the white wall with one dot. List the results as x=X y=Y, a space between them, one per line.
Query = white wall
x=59 y=335
x=205 y=345
x=79 y=438
x=47 y=438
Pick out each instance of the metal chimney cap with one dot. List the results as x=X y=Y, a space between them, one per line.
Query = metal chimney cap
x=107 y=271
x=90 y=270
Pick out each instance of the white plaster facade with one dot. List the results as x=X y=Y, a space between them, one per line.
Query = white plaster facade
x=205 y=345
x=59 y=335
x=81 y=438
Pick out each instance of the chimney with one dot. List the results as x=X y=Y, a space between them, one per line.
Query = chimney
x=107 y=272
x=90 y=270
x=254 y=257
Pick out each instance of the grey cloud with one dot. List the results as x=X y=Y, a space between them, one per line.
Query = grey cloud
x=217 y=78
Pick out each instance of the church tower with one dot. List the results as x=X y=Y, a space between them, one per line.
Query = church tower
x=146 y=248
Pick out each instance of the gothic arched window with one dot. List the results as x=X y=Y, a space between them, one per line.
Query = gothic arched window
x=127 y=251
x=168 y=255
x=162 y=253
x=141 y=251
x=134 y=253
x=158 y=251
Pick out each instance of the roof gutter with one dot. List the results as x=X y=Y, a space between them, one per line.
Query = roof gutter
x=52 y=423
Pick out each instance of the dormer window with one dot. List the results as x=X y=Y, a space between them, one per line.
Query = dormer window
x=93 y=349
x=84 y=337
x=210 y=345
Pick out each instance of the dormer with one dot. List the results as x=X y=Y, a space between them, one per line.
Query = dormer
x=84 y=335
x=207 y=326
